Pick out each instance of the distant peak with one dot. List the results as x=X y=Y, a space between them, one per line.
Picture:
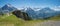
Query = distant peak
x=47 y=8
x=8 y=5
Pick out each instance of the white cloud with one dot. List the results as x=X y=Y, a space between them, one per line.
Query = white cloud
x=37 y=9
x=56 y=8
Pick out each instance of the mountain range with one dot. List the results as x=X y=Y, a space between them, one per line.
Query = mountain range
x=40 y=14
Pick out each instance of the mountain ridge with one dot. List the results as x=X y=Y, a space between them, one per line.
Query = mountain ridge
x=8 y=8
x=40 y=14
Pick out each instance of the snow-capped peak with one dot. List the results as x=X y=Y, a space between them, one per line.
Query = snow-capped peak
x=8 y=5
x=36 y=9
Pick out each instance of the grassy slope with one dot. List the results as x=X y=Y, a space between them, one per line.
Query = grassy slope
x=14 y=21
x=56 y=18
x=10 y=20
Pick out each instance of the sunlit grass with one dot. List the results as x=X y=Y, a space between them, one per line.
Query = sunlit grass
x=12 y=20
x=56 y=18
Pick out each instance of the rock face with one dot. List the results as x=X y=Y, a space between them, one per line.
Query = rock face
x=22 y=15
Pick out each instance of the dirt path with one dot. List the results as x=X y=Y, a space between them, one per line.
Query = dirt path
x=48 y=23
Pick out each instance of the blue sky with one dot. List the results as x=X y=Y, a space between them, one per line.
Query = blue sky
x=31 y=3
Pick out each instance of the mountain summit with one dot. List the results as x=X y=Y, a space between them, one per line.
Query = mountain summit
x=8 y=8
x=8 y=5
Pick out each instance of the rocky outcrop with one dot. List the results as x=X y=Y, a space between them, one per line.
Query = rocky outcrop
x=22 y=15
